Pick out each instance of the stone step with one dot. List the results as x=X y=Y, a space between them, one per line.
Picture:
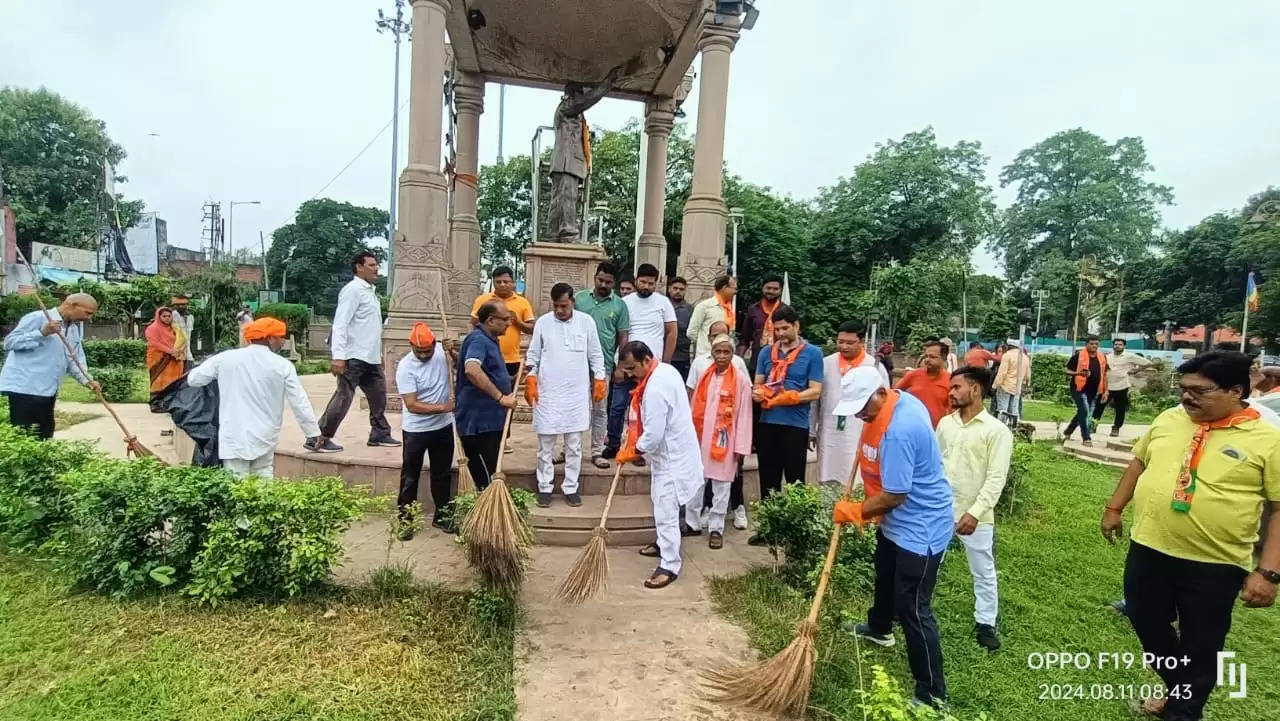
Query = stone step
x=1099 y=454
x=592 y=481
x=630 y=521
x=1121 y=444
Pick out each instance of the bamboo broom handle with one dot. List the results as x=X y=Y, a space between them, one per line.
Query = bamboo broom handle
x=834 y=546
x=71 y=353
x=608 y=501
x=506 y=427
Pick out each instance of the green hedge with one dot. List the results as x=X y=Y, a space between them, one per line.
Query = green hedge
x=120 y=353
x=295 y=315
x=127 y=528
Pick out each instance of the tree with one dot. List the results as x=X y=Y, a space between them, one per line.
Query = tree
x=503 y=206
x=55 y=155
x=312 y=255
x=1079 y=196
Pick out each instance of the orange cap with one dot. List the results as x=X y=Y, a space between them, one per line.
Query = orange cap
x=265 y=328
x=421 y=336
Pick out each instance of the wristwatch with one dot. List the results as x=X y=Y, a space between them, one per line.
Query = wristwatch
x=1271 y=576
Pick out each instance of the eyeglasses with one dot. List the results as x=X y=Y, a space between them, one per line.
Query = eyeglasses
x=1198 y=391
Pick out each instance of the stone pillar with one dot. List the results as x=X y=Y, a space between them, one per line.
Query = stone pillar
x=659 y=117
x=421 y=239
x=702 y=233
x=464 y=227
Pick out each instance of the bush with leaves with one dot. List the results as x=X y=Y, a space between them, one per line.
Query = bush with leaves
x=119 y=384
x=138 y=525
x=123 y=353
x=465 y=503
x=1019 y=474
x=884 y=701
x=276 y=539
x=15 y=305
x=34 y=503
x=296 y=316
x=797 y=520
x=1049 y=377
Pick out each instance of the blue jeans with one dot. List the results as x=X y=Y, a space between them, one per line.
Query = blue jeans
x=619 y=397
x=1084 y=408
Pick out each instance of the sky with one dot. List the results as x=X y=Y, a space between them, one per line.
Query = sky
x=270 y=100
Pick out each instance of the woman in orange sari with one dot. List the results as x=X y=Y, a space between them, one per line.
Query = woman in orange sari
x=166 y=351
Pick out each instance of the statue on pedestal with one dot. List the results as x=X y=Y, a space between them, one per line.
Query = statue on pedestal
x=569 y=160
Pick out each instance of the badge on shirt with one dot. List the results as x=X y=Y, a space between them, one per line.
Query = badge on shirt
x=870 y=452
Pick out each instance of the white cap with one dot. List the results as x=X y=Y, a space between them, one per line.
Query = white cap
x=857 y=386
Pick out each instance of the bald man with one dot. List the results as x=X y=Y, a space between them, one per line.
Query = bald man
x=36 y=360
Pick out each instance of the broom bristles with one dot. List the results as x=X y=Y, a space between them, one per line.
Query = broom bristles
x=497 y=537
x=466 y=484
x=778 y=685
x=589 y=574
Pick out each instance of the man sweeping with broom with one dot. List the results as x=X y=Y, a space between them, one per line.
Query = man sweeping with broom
x=36 y=360
x=907 y=489
x=661 y=424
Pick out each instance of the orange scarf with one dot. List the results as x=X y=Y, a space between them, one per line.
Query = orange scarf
x=869 y=445
x=1083 y=357
x=635 y=424
x=781 y=364
x=846 y=366
x=724 y=409
x=1184 y=490
x=766 y=337
x=586 y=142
x=727 y=306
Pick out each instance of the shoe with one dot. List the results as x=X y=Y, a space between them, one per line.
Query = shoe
x=1087 y=444
x=1115 y=432
x=1119 y=607
x=639 y=462
x=716 y=541
x=740 y=518
x=573 y=499
x=328 y=447
x=386 y=441
x=987 y=636
x=544 y=500
x=863 y=631
x=686 y=531
x=609 y=452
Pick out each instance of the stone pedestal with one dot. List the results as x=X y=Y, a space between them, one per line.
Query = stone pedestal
x=546 y=264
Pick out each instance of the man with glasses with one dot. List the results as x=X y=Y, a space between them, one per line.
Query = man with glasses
x=1199 y=480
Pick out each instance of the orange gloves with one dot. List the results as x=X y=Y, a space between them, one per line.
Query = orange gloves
x=598 y=389
x=782 y=398
x=531 y=390
x=847 y=512
x=626 y=454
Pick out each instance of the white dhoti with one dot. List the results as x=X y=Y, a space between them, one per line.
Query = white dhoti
x=546 y=462
x=565 y=356
x=671 y=447
x=837 y=439
x=263 y=466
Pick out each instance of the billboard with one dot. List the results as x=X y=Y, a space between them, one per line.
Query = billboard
x=142 y=242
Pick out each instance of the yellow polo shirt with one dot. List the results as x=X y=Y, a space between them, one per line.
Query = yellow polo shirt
x=519 y=306
x=976 y=458
x=1239 y=471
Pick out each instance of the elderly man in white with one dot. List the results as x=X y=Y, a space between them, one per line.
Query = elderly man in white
x=563 y=355
x=836 y=437
x=660 y=427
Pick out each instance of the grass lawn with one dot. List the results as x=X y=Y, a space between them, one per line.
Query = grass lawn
x=1056 y=574
x=1050 y=411
x=72 y=392
x=71 y=657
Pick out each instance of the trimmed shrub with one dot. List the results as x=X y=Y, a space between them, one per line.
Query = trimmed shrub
x=296 y=316
x=312 y=367
x=33 y=501
x=118 y=383
x=14 y=306
x=1049 y=377
x=797 y=520
x=125 y=353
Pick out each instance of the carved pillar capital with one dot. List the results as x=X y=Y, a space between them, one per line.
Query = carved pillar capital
x=659 y=117
x=468 y=93
x=443 y=5
x=719 y=36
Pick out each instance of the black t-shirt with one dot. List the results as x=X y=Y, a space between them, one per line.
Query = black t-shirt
x=1095 y=374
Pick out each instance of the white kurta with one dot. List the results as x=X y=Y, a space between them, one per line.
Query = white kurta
x=565 y=356
x=837 y=448
x=675 y=458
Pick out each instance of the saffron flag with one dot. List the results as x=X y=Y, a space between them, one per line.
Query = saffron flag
x=1251 y=295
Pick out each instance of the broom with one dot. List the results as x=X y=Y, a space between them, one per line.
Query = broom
x=780 y=684
x=466 y=484
x=131 y=442
x=497 y=537
x=589 y=574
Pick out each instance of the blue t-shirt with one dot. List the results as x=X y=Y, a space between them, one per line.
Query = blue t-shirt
x=475 y=412
x=911 y=463
x=807 y=367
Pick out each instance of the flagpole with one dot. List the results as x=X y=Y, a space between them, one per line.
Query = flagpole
x=1244 y=329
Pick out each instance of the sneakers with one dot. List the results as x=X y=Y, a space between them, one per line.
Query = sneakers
x=386 y=441
x=573 y=499
x=444 y=523
x=1115 y=432
x=987 y=636
x=328 y=447
x=740 y=518
x=863 y=631
x=544 y=500
x=609 y=452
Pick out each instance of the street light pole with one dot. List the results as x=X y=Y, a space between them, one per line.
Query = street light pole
x=601 y=208
x=231 y=221
x=736 y=215
x=1040 y=296
x=397 y=27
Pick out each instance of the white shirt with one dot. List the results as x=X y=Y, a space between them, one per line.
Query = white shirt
x=1119 y=367
x=837 y=447
x=669 y=441
x=429 y=382
x=357 y=324
x=703 y=362
x=253 y=385
x=564 y=356
x=649 y=317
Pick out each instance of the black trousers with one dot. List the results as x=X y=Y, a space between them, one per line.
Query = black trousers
x=482 y=456
x=904 y=591
x=782 y=451
x=1116 y=399
x=735 y=491
x=438 y=446
x=369 y=378
x=1159 y=589
x=35 y=413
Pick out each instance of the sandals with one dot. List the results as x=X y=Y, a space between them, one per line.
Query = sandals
x=661 y=578
x=599 y=462
x=650 y=550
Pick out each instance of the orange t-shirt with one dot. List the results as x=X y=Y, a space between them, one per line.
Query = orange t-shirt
x=978 y=358
x=932 y=392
